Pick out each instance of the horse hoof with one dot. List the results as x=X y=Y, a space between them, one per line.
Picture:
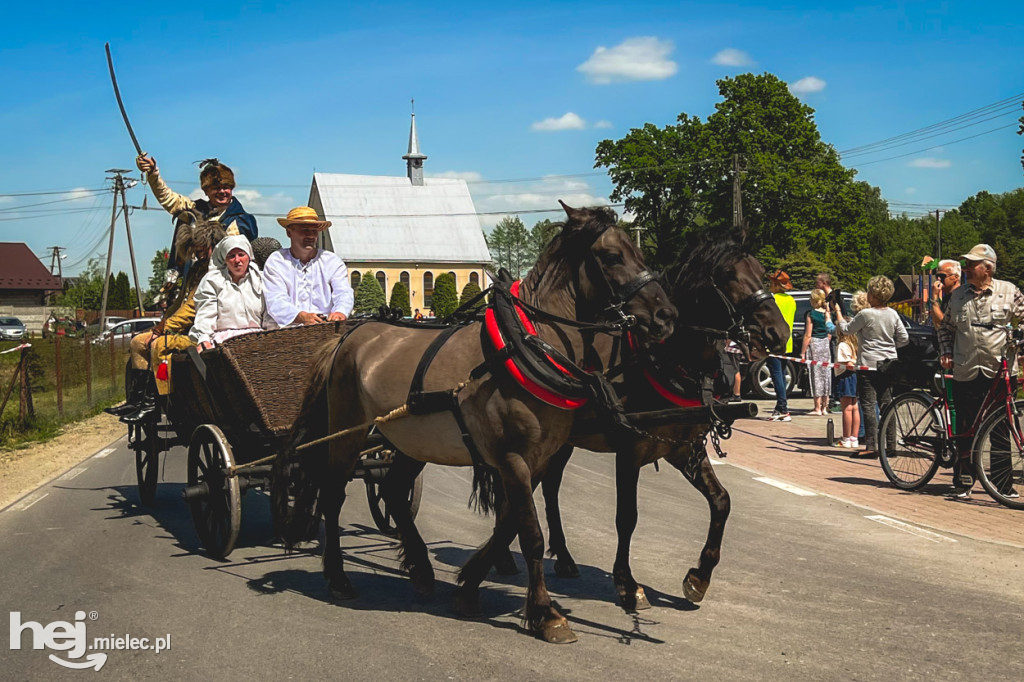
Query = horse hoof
x=566 y=569
x=557 y=631
x=468 y=605
x=694 y=588
x=633 y=601
x=423 y=585
x=641 y=600
x=342 y=589
x=506 y=566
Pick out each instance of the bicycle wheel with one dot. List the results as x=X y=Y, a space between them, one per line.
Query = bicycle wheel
x=909 y=439
x=998 y=456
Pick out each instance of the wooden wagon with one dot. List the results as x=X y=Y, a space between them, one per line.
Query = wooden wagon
x=233 y=406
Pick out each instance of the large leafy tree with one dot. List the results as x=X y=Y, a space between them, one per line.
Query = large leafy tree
x=510 y=246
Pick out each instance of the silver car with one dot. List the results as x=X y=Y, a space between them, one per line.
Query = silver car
x=12 y=329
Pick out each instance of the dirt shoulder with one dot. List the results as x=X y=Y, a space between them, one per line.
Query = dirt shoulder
x=26 y=468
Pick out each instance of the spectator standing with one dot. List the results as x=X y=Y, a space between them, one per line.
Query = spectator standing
x=973 y=352
x=817 y=348
x=879 y=333
x=947 y=280
x=846 y=386
x=779 y=284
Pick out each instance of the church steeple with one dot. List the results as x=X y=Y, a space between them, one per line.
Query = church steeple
x=414 y=159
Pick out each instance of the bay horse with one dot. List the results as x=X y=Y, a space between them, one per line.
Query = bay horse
x=719 y=291
x=589 y=270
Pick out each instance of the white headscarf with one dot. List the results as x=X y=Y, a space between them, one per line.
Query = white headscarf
x=220 y=257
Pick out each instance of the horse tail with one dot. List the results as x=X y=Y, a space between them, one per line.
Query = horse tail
x=486 y=495
x=295 y=476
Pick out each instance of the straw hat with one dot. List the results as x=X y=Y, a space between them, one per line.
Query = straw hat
x=304 y=216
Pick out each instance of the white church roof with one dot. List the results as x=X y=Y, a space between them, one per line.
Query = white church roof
x=384 y=218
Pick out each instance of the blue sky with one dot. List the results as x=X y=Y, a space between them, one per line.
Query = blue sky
x=278 y=90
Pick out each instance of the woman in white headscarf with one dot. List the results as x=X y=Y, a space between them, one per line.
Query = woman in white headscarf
x=230 y=297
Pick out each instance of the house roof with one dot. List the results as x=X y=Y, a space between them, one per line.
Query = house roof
x=386 y=218
x=21 y=269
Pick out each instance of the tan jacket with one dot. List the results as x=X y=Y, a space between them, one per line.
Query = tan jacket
x=175 y=203
x=976 y=349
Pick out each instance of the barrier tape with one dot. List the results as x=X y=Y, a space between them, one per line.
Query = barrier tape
x=821 y=363
x=16 y=348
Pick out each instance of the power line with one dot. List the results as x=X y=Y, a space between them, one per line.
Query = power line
x=915 y=139
x=944 y=144
x=61 y=191
x=41 y=203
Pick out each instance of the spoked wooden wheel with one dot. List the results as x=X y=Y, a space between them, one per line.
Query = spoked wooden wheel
x=382 y=515
x=213 y=496
x=147 y=462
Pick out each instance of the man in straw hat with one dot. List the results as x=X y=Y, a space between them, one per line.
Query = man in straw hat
x=973 y=353
x=302 y=283
x=779 y=284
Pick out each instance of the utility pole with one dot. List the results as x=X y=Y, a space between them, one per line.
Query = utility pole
x=636 y=230
x=55 y=261
x=110 y=255
x=120 y=184
x=938 y=234
x=737 y=194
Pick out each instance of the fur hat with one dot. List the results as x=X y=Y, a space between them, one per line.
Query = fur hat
x=213 y=173
x=262 y=247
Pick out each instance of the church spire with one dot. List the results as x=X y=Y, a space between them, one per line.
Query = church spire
x=414 y=159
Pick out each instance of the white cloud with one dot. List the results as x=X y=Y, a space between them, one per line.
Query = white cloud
x=255 y=202
x=732 y=57
x=642 y=58
x=603 y=124
x=930 y=162
x=910 y=190
x=539 y=194
x=79 y=193
x=569 y=121
x=468 y=176
x=807 y=85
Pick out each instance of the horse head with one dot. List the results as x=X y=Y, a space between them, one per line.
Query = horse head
x=594 y=261
x=724 y=282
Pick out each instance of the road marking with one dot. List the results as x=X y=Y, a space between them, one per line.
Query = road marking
x=28 y=501
x=67 y=476
x=104 y=453
x=785 y=486
x=907 y=528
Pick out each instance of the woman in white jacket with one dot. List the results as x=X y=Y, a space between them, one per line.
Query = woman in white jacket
x=230 y=296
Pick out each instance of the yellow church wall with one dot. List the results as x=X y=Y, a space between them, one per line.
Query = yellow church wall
x=393 y=272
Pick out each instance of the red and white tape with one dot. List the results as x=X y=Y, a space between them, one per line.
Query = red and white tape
x=821 y=363
x=11 y=350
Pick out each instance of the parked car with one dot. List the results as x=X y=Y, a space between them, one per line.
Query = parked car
x=127 y=329
x=12 y=329
x=918 y=360
x=114 y=320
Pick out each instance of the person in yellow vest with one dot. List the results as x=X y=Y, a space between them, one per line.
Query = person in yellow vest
x=779 y=284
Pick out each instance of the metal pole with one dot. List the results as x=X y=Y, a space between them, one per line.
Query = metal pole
x=60 y=378
x=25 y=407
x=88 y=370
x=131 y=249
x=106 y=277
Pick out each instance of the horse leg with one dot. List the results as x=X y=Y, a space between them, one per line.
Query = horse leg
x=627 y=476
x=412 y=551
x=341 y=462
x=696 y=582
x=565 y=565
x=504 y=562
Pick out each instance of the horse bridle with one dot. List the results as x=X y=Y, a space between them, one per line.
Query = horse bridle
x=620 y=295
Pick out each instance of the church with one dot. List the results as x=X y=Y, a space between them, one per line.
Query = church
x=403 y=229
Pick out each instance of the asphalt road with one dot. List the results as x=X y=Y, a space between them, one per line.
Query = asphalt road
x=808 y=588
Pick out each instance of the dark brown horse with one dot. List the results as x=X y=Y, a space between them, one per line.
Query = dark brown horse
x=719 y=292
x=587 y=266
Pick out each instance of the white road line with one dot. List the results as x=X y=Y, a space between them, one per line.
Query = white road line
x=68 y=475
x=715 y=462
x=104 y=453
x=785 y=486
x=907 y=528
x=28 y=501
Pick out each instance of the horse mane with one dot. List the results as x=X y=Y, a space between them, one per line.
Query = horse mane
x=552 y=269
x=708 y=255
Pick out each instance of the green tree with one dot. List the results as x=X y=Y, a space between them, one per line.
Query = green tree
x=446 y=299
x=509 y=244
x=400 y=299
x=541 y=234
x=124 y=291
x=156 y=280
x=468 y=292
x=88 y=289
x=369 y=297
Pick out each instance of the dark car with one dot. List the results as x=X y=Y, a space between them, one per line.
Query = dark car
x=918 y=360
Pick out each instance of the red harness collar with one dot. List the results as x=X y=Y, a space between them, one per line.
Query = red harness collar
x=535 y=389
x=671 y=395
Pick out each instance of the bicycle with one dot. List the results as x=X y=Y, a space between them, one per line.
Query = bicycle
x=916 y=434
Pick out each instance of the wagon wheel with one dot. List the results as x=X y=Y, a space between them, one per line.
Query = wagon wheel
x=217 y=510
x=378 y=507
x=147 y=462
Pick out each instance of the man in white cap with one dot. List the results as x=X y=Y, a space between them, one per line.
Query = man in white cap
x=973 y=351
x=304 y=284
